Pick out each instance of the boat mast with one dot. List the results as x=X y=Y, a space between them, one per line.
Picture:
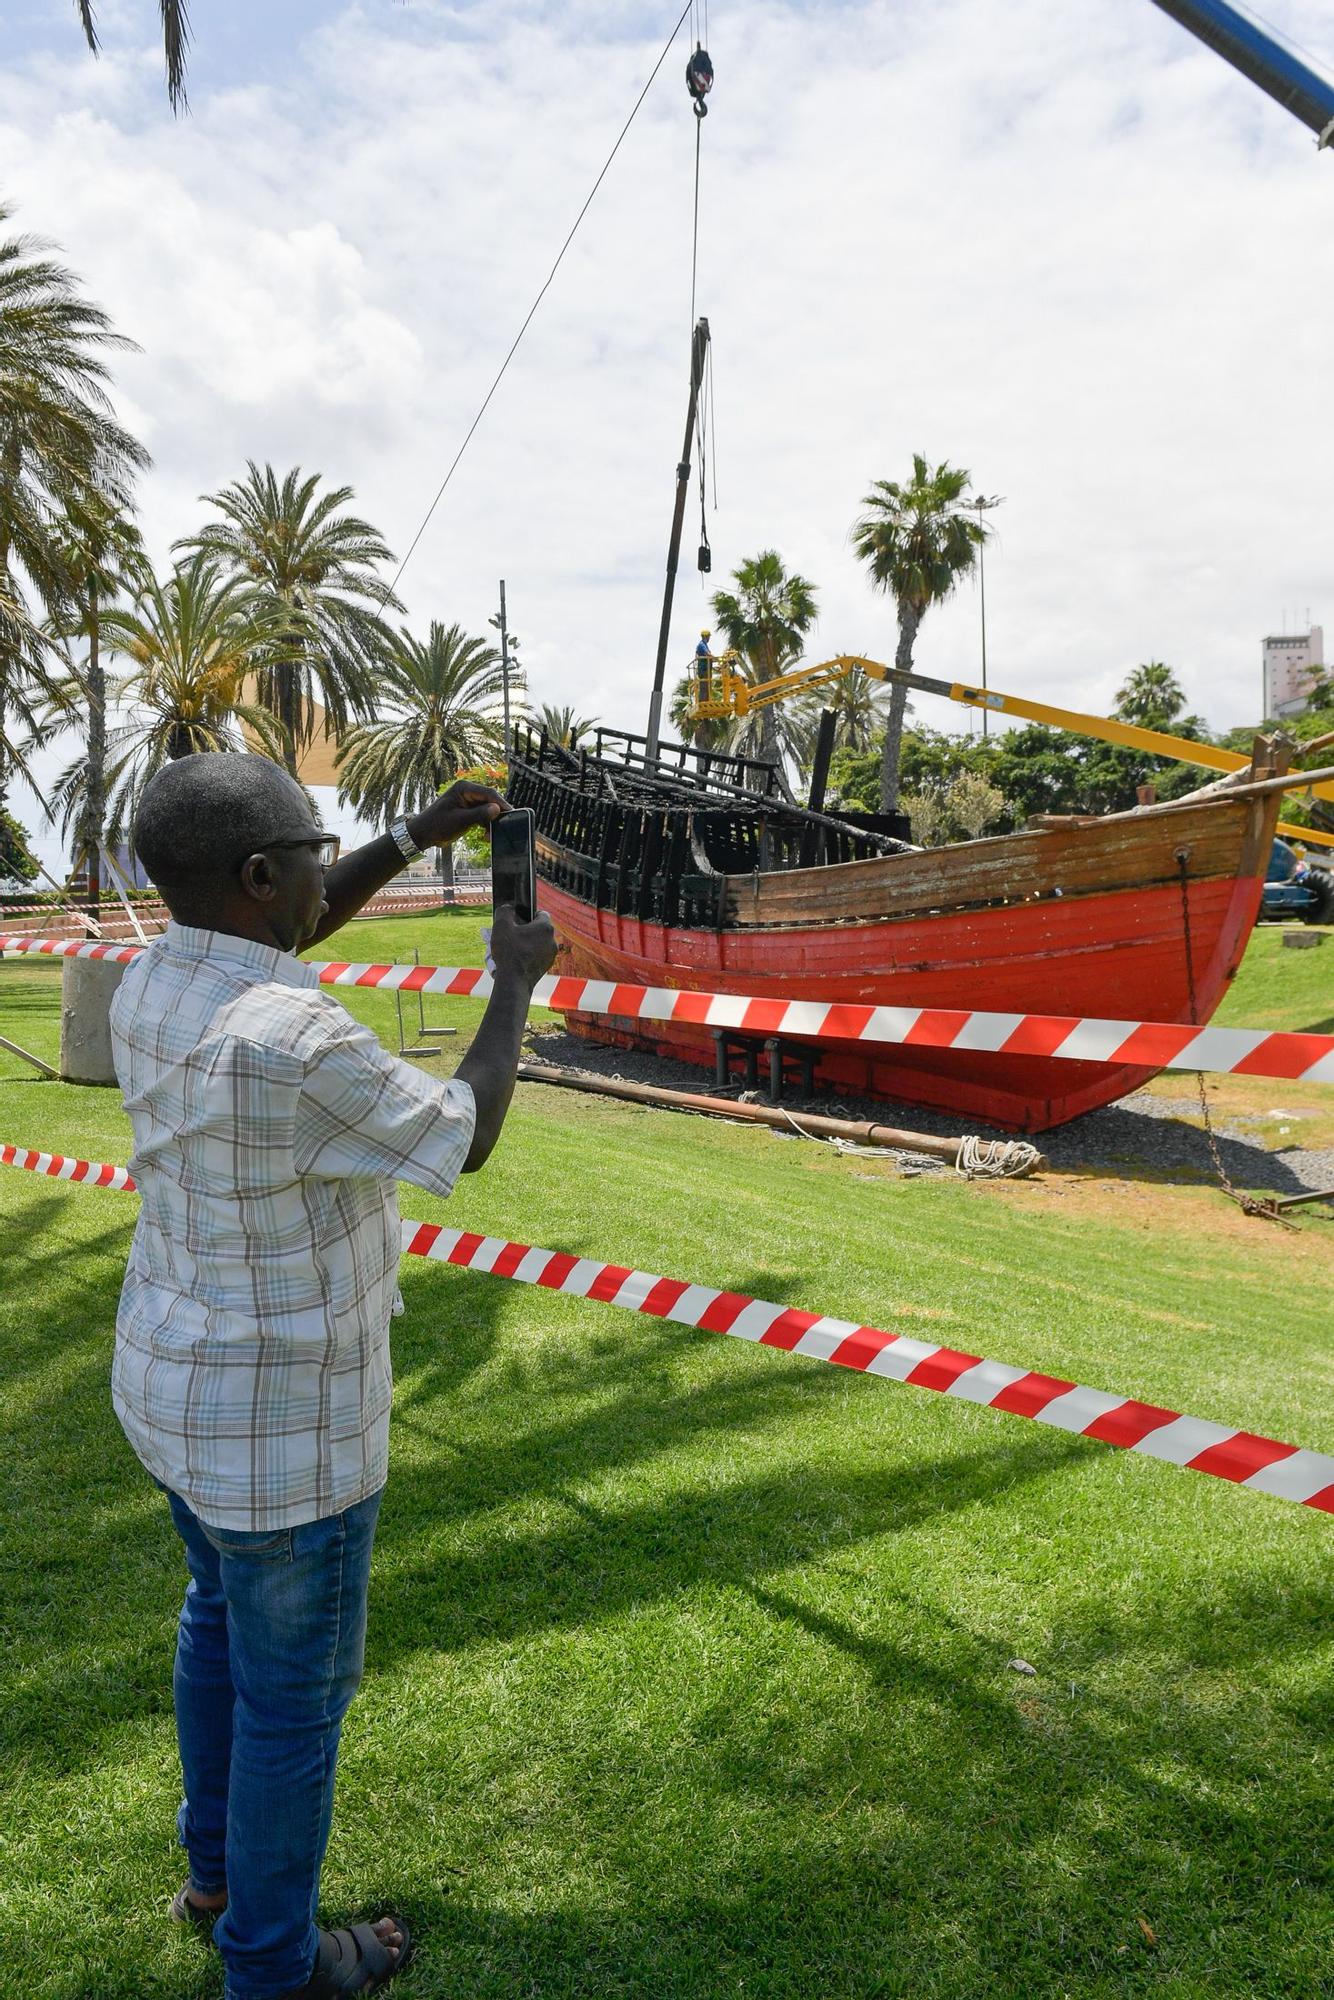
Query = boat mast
x=698 y=348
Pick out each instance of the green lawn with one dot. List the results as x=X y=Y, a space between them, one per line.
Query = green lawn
x=1280 y=988
x=688 y=1664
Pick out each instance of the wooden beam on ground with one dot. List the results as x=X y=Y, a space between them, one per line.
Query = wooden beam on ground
x=26 y=1055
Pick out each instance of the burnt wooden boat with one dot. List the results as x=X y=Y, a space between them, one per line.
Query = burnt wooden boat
x=691 y=870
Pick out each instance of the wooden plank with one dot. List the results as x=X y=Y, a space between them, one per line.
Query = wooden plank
x=1223 y=838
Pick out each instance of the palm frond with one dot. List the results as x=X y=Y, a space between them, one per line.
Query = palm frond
x=315 y=565
x=446 y=693
x=175 y=42
x=62 y=455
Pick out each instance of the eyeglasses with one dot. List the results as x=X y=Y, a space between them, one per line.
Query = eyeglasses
x=327 y=843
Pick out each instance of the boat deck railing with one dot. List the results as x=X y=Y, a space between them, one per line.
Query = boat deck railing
x=618 y=766
x=654 y=846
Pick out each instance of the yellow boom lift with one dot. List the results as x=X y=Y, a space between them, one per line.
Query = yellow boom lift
x=730 y=693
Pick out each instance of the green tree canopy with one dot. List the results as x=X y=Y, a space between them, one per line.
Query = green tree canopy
x=18 y=863
x=1035 y=769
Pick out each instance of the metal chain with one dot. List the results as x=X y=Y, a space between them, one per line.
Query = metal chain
x=1248 y=1203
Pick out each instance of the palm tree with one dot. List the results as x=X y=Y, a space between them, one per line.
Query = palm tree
x=102 y=553
x=766 y=620
x=562 y=726
x=315 y=567
x=918 y=540
x=175 y=41
x=192 y=643
x=27 y=677
x=446 y=693
x=1154 y=698
x=859 y=706
x=60 y=450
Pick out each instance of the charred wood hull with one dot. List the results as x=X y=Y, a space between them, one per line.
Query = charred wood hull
x=1084 y=919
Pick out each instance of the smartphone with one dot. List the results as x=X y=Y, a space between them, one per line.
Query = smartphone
x=514 y=863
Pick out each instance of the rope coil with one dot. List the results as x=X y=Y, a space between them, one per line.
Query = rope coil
x=995 y=1159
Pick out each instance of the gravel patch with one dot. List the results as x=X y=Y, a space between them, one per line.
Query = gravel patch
x=1142 y=1138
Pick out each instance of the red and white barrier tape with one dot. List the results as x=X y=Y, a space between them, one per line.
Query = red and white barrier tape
x=385 y=902
x=1143 y=1044
x=58 y=1168
x=1284 y=1470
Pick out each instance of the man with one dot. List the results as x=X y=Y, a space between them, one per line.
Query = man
x=704 y=666
x=251 y=1370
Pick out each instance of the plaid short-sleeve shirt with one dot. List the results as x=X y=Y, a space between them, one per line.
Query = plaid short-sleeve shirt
x=251 y=1370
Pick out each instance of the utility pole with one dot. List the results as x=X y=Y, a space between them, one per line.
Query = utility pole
x=982 y=586
x=983 y=505
x=698 y=346
x=503 y=629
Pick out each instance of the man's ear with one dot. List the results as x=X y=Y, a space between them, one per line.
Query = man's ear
x=257 y=878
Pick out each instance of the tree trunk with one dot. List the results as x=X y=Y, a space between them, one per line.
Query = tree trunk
x=769 y=751
x=95 y=805
x=909 y=620
x=6 y=668
x=447 y=873
x=287 y=706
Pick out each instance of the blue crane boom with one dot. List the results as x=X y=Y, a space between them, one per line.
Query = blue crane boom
x=1257 y=55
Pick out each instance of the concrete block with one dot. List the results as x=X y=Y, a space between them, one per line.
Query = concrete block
x=88 y=987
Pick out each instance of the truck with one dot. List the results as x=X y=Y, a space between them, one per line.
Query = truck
x=1296 y=887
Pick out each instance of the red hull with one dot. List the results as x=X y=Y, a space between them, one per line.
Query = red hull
x=1117 y=955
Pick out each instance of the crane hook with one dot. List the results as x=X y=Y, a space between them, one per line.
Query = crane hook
x=699 y=79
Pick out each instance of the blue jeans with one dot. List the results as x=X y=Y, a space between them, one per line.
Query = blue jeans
x=269 y=1653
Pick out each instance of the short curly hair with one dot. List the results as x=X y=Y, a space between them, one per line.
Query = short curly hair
x=200 y=816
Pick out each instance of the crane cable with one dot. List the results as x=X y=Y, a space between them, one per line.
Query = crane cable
x=394 y=581
x=704 y=409
x=700 y=427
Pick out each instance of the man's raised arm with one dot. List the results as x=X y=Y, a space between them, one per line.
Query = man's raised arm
x=521 y=954
x=351 y=882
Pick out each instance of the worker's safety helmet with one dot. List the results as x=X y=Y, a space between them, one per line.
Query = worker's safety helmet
x=706 y=633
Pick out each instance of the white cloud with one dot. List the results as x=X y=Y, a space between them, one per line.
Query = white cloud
x=1056 y=242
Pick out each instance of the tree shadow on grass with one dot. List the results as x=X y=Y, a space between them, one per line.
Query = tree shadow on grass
x=96 y=1661
x=90 y=1585
x=34 y=1241
x=962 y=1831
x=593 y=1560
x=951 y=1830
x=35 y=995
x=915 y=1820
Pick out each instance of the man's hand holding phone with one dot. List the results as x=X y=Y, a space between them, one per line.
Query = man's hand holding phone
x=517 y=956
x=523 y=951
x=463 y=805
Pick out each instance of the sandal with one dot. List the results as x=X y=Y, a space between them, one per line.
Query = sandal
x=183 y=1910
x=353 y=1961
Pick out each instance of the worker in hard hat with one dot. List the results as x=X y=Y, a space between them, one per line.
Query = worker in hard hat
x=704 y=664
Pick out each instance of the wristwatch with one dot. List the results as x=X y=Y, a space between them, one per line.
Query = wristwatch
x=403 y=840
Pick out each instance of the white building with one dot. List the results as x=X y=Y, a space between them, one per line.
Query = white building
x=1288 y=661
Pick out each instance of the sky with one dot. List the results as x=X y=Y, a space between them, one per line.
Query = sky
x=1056 y=242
